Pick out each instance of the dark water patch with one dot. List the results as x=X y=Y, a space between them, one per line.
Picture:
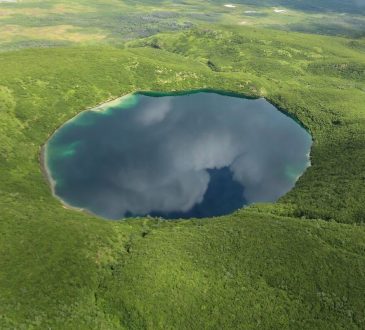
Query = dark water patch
x=176 y=156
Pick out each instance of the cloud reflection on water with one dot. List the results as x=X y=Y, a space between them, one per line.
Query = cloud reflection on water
x=159 y=156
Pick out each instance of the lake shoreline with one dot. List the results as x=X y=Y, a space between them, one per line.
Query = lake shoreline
x=124 y=102
x=51 y=182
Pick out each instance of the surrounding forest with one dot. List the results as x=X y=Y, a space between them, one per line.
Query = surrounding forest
x=295 y=264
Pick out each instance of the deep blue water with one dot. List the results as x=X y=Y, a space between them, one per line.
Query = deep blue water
x=176 y=156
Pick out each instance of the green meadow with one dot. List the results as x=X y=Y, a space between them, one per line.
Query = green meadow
x=57 y=23
x=295 y=264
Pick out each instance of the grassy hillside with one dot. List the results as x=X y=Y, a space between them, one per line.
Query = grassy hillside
x=298 y=263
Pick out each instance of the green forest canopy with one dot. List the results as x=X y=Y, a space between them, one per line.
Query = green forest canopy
x=297 y=263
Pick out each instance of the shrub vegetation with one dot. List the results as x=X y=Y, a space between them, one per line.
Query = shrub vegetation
x=295 y=264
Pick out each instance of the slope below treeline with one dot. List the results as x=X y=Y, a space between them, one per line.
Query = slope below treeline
x=279 y=265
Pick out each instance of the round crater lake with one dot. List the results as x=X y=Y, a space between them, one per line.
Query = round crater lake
x=200 y=154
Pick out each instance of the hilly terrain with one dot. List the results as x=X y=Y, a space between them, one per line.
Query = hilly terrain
x=295 y=264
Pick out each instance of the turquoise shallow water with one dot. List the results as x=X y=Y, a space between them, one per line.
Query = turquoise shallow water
x=176 y=156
